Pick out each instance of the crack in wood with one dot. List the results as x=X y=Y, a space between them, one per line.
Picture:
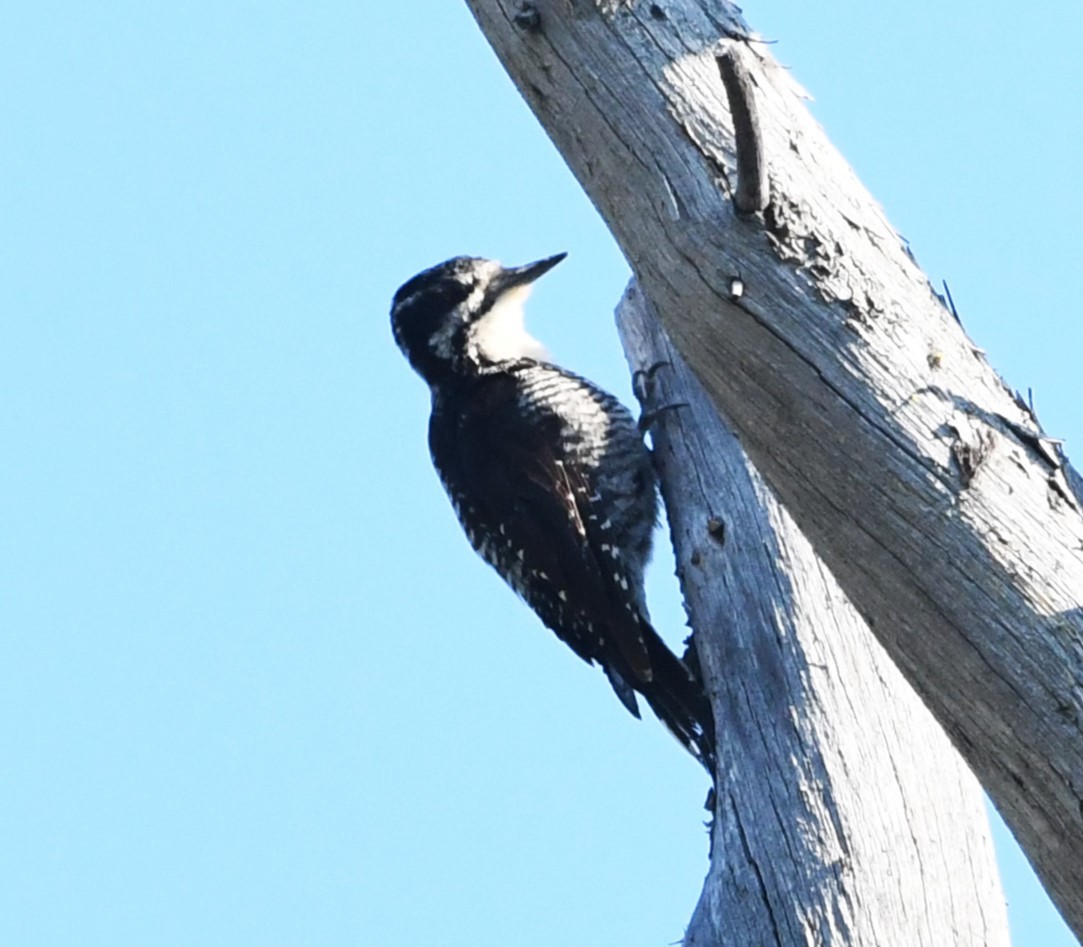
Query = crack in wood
x=970 y=449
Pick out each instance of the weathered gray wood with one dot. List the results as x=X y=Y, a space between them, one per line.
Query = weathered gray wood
x=917 y=477
x=843 y=814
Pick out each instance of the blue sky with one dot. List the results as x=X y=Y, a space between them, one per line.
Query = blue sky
x=254 y=688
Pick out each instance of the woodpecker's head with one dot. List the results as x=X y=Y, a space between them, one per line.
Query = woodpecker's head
x=464 y=314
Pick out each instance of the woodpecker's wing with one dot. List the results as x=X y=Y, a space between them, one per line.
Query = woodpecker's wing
x=526 y=509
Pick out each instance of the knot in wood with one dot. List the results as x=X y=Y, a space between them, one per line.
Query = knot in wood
x=527 y=18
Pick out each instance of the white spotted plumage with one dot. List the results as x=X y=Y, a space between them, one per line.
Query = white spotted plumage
x=549 y=477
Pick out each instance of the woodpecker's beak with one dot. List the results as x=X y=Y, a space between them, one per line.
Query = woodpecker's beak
x=514 y=276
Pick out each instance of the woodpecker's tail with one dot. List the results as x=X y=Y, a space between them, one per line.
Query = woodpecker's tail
x=678 y=699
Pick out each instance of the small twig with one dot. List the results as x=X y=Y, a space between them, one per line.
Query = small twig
x=752 y=184
x=951 y=302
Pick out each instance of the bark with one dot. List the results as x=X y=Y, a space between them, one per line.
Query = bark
x=843 y=815
x=925 y=486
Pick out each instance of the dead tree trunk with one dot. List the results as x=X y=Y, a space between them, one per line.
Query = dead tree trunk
x=843 y=814
x=930 y=492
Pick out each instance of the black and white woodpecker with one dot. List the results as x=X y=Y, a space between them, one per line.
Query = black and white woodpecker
x=549 y=477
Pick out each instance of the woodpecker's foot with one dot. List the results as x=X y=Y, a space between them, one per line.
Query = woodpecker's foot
x=643 y=383
x=690 y=659
x=647 y=418
x=643 y=388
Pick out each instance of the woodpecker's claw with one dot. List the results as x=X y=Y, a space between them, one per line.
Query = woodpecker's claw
x=647 y=418
x=643 y=382
x=643 y=389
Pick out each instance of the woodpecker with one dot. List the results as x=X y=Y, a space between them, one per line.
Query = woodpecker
x=549 y=477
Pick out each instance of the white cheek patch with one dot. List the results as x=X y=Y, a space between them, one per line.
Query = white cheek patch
x=500 y=334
